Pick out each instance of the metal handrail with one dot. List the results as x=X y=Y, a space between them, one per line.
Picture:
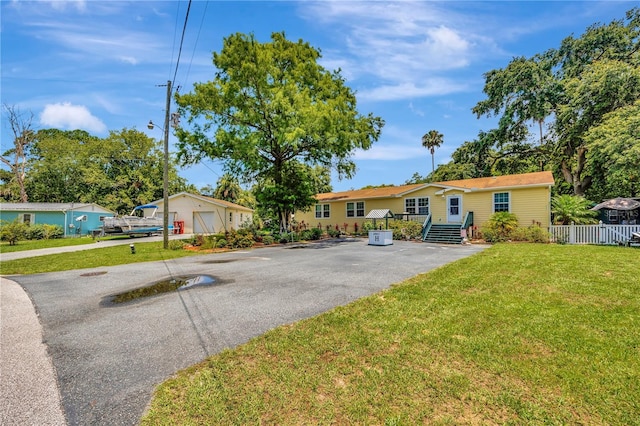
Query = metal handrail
x=426 y=226
x=468 y=221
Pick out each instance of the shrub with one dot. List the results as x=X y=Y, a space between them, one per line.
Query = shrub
x=288 y=237
x=52 y=231
x=13 y=231
x=499 y=227
x=176 y=245
x=403 y=229
x=311 y=234
x=267 y=240
x=221 y=243
x=245 y=231
x=34 y=232
x=333 y=233
x=209 y=241
x=316 y=233
x=368 y=226
x=239 y=239
x=532 y=234
x=243 y=242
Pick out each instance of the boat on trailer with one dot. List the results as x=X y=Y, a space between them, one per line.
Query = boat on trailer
x=135 y=223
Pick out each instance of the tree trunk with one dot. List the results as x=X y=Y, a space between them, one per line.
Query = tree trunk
x=574 y=177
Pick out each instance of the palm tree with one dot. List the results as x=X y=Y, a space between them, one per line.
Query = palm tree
x=432 y=140
x=568 y=208
x=227 y=188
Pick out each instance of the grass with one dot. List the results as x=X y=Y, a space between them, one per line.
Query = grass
x=92 y=258
x=518 y=334
x=24 y=245
x=39 y=244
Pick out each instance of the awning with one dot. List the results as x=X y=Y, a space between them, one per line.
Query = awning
x=618 y=204
x=379 y=214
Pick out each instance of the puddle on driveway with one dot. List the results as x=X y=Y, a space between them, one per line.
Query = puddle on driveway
x=160 y=287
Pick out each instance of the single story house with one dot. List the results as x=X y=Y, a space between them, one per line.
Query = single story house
x=526 y=195
x=74 y=218
x=197 y=214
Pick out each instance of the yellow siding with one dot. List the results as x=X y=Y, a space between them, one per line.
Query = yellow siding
x=530 y=205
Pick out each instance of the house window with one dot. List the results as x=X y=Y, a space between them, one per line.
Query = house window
x=417 y=205
x=355 y=209
x=501 y=202
x=230 y=217
x=322 y=211
x=27 y=218
x=423 y=206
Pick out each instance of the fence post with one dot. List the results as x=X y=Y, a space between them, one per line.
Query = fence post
x=572 y=233
x=601 y=232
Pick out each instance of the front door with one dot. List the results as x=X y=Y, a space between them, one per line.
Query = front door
x=454 y=209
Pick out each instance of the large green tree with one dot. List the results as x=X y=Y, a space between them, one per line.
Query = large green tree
x=565 y=92
x=61 y=166
x=270 y=110
x=118 y=172
x=614 y=146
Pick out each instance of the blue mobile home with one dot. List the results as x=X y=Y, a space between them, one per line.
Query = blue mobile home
x=74 y=218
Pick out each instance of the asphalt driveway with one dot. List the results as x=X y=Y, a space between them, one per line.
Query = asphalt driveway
x=109 y=358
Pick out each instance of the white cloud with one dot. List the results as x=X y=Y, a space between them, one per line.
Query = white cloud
x=71 y=117
x=404 y=47
x=411 y=90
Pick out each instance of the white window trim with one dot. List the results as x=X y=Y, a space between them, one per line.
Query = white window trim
x=322 y=216
x=355 y=209
x=417 y=204
x=493 y=201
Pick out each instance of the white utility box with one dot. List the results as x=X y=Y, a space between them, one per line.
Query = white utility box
x=381 y=238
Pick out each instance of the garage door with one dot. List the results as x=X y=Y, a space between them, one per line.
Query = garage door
x=203 y=222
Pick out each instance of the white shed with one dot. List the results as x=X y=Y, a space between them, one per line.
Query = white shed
x=197 y=214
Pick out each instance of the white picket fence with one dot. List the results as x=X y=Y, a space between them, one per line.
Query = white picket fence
x=592 y=234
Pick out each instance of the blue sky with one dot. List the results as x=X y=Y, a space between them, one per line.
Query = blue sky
x=97 y=65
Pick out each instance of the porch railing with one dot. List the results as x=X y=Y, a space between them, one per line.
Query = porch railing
x=600 y=233
x=426 y=226
x=468 y=221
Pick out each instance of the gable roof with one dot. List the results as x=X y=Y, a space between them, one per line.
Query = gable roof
x=535 y=179
x=53 y=207
x=222 y=203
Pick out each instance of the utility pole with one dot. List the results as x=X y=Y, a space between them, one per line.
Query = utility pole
x=165 y=174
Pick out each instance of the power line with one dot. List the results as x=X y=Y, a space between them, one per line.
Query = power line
x=184 y=29
x=193 y=54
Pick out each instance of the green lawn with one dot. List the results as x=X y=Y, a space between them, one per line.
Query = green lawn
x=518 y=334
x=39 y=244
x=92 y=258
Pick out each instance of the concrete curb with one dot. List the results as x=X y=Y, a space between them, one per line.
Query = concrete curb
x=29 y=393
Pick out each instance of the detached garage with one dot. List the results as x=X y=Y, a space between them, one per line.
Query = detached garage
x=197 y=214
